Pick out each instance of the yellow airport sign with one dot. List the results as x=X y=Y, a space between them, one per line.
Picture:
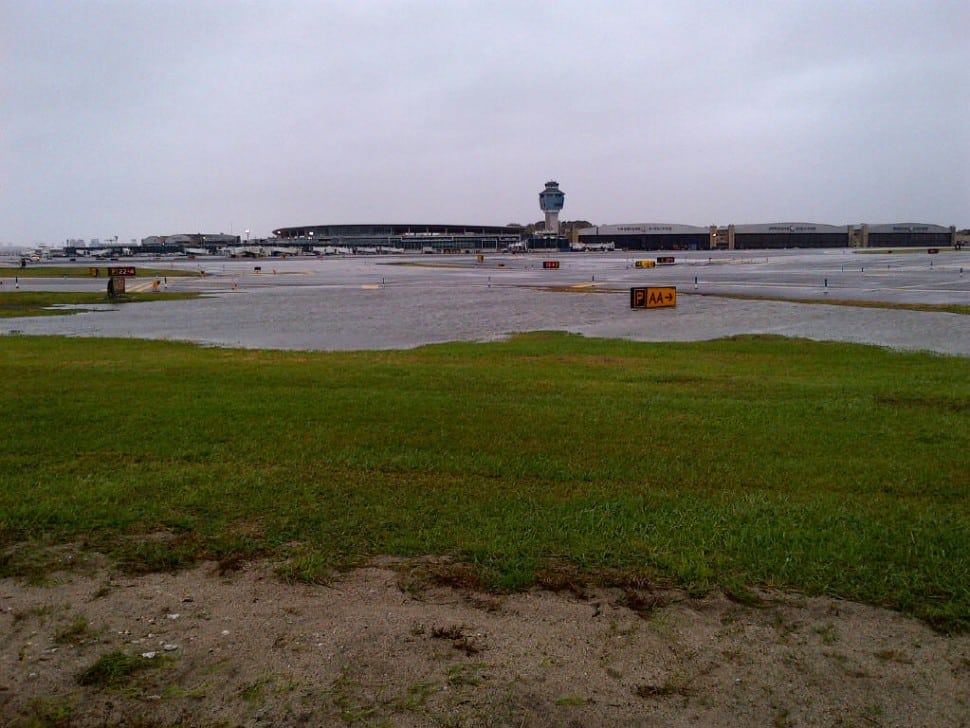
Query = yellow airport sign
x=646 y=264
x=660 y=297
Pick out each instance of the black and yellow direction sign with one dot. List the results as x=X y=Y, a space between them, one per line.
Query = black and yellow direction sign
x=123 y=271
x=653 y=297
x=646 y=264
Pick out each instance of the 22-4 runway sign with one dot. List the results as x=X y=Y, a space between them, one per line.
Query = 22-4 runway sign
x=659 y=297
x=124 y=271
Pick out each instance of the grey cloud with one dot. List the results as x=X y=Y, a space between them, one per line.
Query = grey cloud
x=142 y=117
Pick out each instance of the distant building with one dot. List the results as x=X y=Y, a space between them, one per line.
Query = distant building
x=406 y=237
x=648 y=236
x=904 y=235
x=766 y=236
x=209 y=242
x=783 y=235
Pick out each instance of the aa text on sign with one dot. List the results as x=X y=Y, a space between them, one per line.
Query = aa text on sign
x=660 y=297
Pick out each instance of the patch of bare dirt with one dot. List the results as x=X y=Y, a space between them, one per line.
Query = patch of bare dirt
x=377 y=647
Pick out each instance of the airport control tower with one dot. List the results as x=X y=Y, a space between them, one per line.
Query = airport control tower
x=551 y=200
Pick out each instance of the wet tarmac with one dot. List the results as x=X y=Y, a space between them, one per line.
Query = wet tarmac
x=363 y=302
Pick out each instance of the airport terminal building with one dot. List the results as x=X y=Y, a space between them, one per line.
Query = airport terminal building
x=408 y=238
x=446 y=238
x=381 y=238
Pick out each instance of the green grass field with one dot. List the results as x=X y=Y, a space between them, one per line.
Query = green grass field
x=45 y=303
x=84 y=271
x=754 y=461
x=926 y=307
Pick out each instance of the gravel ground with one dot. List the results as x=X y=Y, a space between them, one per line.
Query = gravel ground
x=386 y=645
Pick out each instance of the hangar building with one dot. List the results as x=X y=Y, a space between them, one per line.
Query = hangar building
x=907 y=234
x=658 y=236
x=782 y=235
x=648 y=236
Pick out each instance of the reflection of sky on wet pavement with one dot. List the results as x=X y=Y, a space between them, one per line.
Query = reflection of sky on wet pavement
x=363 y=303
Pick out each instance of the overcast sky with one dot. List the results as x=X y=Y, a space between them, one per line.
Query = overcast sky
x=138 y=117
